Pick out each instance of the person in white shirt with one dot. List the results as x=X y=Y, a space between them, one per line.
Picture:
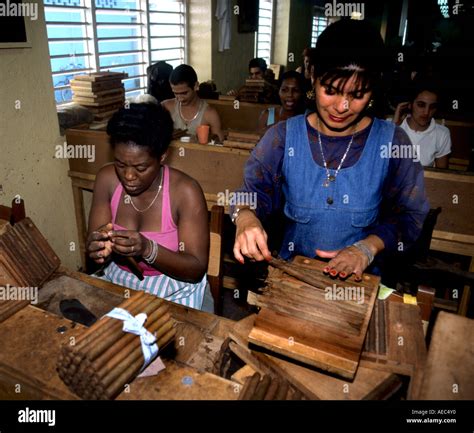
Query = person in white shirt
x=431 y=140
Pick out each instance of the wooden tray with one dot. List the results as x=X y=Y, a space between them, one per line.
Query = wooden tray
x=298 y=320
x=26 y=259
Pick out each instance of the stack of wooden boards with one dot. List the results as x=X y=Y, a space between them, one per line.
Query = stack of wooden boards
x=242 y=139
x=312 y=318
x=105 y=358
x=26 y=262
x=102 y=93
x=253 y=91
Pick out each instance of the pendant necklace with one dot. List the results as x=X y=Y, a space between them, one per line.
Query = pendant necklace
x=332 y=177
x=156 y=195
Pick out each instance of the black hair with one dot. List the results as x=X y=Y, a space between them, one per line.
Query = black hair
x=158 y=84
x=293 y=74
x=420 y=84
x=145 y=125
x=349 y=47
x=184 y=74
x=258 y=63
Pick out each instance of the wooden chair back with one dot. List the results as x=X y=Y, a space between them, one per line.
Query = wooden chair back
x=215 y=267
x=15 y=213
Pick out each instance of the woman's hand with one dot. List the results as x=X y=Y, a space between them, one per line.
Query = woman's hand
x=345 y=262
x=400 y=112
x=250 y=238
x=129 y=243
x=99 y=245
x=351 y=260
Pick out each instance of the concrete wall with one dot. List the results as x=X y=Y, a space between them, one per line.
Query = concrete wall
x=230 y=67
x=28 y=136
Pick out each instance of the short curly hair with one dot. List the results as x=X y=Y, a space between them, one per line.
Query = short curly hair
x=145 y=125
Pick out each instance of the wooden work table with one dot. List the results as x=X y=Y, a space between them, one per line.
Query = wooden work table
x=31 y=341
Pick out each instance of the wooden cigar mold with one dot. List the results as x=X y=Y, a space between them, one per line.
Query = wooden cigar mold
x=312 y=318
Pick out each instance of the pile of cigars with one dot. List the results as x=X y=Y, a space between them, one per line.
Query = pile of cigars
x=104 y=358
x=302 y=316
x=26 y=261
x=267 y=388
x=246 y=140
x=102 y=93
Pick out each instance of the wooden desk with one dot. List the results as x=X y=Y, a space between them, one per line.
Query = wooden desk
x=454 y=193
x=31 y=344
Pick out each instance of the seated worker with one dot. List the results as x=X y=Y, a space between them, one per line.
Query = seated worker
x=308 y=64
x=158 y=83
x=148 y=211
x=187 y=110
x=291 y=98
x=431 y=140
x=258 y=70
x=342 y=199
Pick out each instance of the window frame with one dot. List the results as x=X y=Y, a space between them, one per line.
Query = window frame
x=92 y=53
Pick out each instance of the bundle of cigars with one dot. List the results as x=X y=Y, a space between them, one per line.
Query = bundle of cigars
x=105 y=358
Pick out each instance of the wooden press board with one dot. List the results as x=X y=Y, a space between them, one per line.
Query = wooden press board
x=297 y=321
x=367 y=384
x=30 y=349
x=395 y=341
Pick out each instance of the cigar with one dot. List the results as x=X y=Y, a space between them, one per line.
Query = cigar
x=133 y=265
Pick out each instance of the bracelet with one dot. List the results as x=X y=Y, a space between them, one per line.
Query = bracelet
x=236 y=213
x=150 y=259
x=365 y=249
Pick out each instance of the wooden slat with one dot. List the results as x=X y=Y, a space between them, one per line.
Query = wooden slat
x=448 y=373
x=27 y=254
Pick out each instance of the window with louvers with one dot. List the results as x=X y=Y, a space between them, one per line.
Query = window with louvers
x=113 y=35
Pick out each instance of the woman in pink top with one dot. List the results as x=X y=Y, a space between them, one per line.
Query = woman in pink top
x=149 y=211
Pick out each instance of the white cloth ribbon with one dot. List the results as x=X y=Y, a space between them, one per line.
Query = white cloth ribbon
x=134 y=325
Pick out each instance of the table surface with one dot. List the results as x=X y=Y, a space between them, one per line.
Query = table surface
x=31 y=344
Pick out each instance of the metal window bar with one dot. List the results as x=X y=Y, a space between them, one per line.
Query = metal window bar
x=146 y=18
x=265 y=13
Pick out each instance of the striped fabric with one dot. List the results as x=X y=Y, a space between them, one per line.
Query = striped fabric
x=187 y=294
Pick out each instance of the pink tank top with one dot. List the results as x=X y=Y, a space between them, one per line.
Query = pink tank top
x=168 y=237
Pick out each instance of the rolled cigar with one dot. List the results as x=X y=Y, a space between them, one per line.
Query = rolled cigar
x=115 y=388
x=272 y=390
x=103 y=325
x=126 y=339
x=87 y=375
x=250 y=387
x=115 y=331
x=261 y=388
x=297 y=395
x=162 y=326
x=133 y=265
x=282 y=391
